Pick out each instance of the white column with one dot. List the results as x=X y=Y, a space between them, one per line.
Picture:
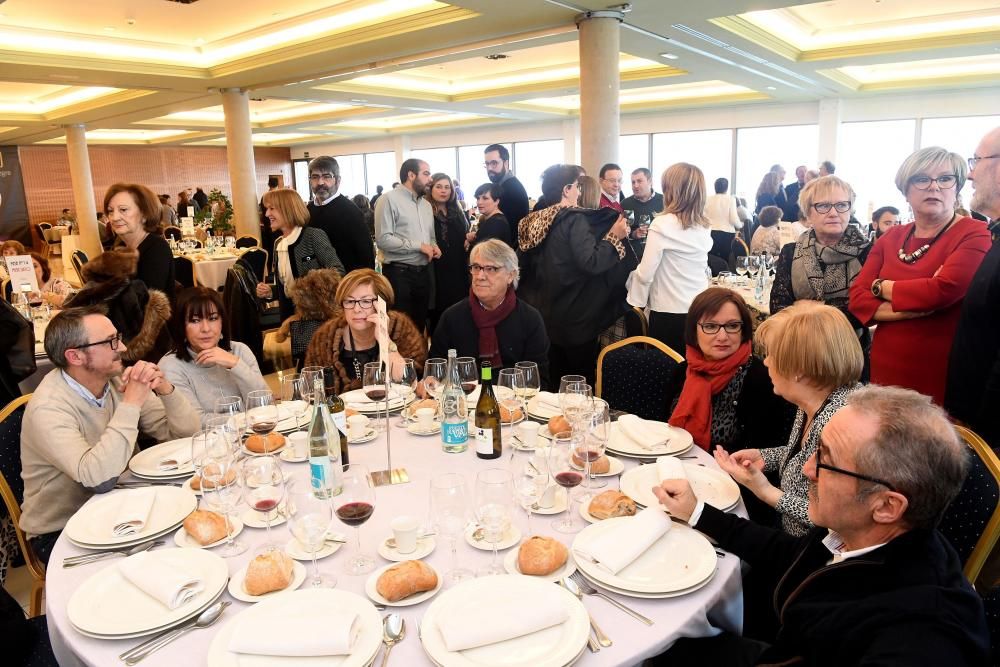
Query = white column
x=571 y=140
x=83 y=190
x=401 y=145
x=239 y=157
x=829 y=129
x=599 y=83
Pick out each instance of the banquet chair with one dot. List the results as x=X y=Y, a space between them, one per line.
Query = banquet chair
x=8 y=291
x=717 y=265
x=991 y=604
x=257 y=260
x=184 y=271
x=40 y=228
x=247 y=242
x=633 y=375
x=636 y=323
x=172 y=232
x=79 y=258
x=12 y=492
x=972 y=521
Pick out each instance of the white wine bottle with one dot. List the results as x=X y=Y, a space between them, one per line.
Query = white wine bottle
x=488 y=442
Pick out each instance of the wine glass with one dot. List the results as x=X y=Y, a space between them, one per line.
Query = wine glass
x=220 y=436
x=222 y=490
x=742 y=266
x=310 y=374
x=262 y=413
x=529 y=485
x=468 y=373
x=354 y=506
x=449 y=507
x=373 y=384
x=494 y=493
x=264 y=489
x=434 y=372
x=232 y=407
x=406 y=377
x=567 y=476
x=567 y=380
x=295 y=394
x=309 y=518
x=510 y=391
x=593 y=444
x=532 y=379
x=576 y=401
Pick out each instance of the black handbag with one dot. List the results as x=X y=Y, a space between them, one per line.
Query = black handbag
x=21 y=354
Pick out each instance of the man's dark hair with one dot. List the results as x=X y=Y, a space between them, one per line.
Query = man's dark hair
x=608 y=167
x=491 y=188
x=378 y=189
x=645 y=172
x=411 y=166
x=721 y=185
x=499 y=148
x=829 y=166
x=324 y=164
x=272 y=182
x=879 y=212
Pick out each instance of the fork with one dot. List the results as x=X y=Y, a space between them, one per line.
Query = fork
x=84 y=559
x=587 y=589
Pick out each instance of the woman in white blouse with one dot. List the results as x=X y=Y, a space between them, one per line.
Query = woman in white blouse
x=674 y=268
x=722 y=211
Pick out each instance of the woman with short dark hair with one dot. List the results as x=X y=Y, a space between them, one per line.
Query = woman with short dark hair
x=767 y=237
x=134 y=212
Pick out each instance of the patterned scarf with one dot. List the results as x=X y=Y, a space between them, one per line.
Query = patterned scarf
x=825 y=273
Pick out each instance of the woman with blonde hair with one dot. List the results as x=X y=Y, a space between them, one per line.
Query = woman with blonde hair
x=590 y=192
x=673 y=270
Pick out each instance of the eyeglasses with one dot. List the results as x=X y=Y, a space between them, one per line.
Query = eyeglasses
x=112 y=342
x=492 y=163
x=366 y=303
x=489 y=270
x=712 y=328
x=839 y=206
x=856 y=475
x=945 y=181
x=973 y=161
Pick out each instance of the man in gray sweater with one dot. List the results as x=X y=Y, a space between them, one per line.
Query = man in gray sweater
x=81 y=424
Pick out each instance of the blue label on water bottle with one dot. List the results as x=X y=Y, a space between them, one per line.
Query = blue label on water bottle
x=319 y=472
x=455 y=433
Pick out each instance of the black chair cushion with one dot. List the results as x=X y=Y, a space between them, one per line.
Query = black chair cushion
x=636 y=379
x=184 y=271
x=10 y=453
x=967 y=515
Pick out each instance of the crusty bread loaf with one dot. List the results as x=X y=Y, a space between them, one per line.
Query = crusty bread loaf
x=271 y=571
x=406 y=579
x=212 y=469
x=598 y=467
x=541 y=555
x=611 y=503
x=258 y=444
x=508 y=415
x=559 y=424
x=205 y=527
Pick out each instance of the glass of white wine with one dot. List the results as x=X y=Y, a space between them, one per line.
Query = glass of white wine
x=532 y=379
x=510 y=393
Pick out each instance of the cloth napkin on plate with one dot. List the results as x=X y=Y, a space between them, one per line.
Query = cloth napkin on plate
x=668 y=467
x=165 y=584
x=464 y=626
x=136 y=504
x=549 y=400
x=616 y=548
x=646 y=434
x=176 y=457
x=293 y=633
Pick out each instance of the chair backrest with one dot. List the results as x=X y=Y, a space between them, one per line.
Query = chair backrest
x=991 y=604
x=44 y=225
x=79 y=258
x=636 y=323
x=8 y=290
x=972 y=521
x=634 y=375
x=172 y=232
x=717 y=264
x=257 y=260
x=247 y=242
x=184 y=271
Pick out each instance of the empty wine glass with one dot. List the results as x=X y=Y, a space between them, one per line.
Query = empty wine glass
x=263 y=490
x=532 y=379
x=295 y=395
x=494 y=494
x=434 y=372
x=222 y=490
x=576 y=401
x=564 y=474
x=406 y=376
x=510 y=393
x=373 y=384
x=310 y=374
x=262 y=413
x=742 y=266
x=232 y=407
x=529 y=485
x=354 y=506
x=449 y=512
x=309 y=518
x=468 y=373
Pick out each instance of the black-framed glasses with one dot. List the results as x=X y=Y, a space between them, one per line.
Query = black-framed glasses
x=839 y=206
x=365 y=303
x=849 y=473
x=492 y=163
x=112 y=342
x=487 y=268
x=712 y=328
x=944 y=181
x=973 y=161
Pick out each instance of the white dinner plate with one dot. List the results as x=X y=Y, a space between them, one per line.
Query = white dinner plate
x=510 y=537
x=715 y=487
x=185 y=541
x=147 y=462
x=237 y=591
x=289 y=417
x=305 y=601
x=370 y=434
x=554 y=646
x=679 y=560
x=539 y=410
x=425 y=545
x=510 y=564
x=276 y=450
x=585 y=513
x=619 y=443
x=109 y=605
x=415 y=429
x=416 y=598
x=296 y=550
x=92 y=525
x=649 y=596
x=617 y=467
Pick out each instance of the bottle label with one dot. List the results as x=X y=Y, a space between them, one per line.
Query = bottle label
x=340 y=420
x=319 y=473
x=455 y=433
x=484 y=441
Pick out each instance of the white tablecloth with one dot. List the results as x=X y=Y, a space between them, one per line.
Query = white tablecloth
x=718 y=604
x=211 y=271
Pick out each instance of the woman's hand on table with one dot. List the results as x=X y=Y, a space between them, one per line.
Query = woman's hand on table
x=216 y=356
x=677 y=496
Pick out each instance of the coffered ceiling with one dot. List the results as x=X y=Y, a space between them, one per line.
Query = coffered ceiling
x=149 y=71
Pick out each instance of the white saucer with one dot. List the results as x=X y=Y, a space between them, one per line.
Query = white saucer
x=185 y=541
x=416 y=430
x=510 y=537
x=295 y=549
x=568 y=568
x=252 y=518
x=425 y=545
x=237 y=591
x=288 y=456
x=370 y=434
x=560 y=503
x=416 y=598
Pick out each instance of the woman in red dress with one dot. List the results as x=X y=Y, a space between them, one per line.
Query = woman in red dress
x=916 y=276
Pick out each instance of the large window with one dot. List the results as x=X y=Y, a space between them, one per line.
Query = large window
x=868 y=157
x=533 y=157
x=709 y=150
x=471 y=172
x=352 y=174
x=758 y=148
x=300 y=173
x=960 y=135
x=633 y=152
x=380 y=169
x=440 y=160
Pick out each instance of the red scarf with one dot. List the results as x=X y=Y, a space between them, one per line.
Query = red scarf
x=705 y=379
x=487 y=320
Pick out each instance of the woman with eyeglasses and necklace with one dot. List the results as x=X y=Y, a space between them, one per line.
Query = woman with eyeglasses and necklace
x=349 y=341
x=917 y=275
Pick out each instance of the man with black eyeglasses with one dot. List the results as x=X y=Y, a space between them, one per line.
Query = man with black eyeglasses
x=81 y=424
x=874 y=582
x=338 y=216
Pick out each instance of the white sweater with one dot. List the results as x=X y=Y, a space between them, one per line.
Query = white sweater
x=203 y=385
x=721 y=213
x=673 y=268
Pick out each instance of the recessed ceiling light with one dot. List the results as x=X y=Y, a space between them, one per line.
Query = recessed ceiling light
x=669 y=56
x=771 y=88
x=109 y=28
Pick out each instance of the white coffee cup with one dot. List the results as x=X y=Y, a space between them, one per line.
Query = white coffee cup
x=425 y=418
x=357 y=425
x=527 y=432
x=404 y=529
x=299 y=441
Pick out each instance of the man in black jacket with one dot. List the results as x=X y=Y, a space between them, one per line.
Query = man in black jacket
x=335 y=214
x=513 y=196
x=876 y=583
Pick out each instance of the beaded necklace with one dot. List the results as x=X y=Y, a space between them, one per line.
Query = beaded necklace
x=922 y=250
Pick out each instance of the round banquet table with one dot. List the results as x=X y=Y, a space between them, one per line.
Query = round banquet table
x=717 y=605
x=210 y=270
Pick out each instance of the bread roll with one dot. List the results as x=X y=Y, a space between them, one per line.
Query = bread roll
x=271 y=571
x=210 y=469
x=205 y=527
x=598 y=467
x=259 y=445
x=406 y=579
x=510 y=416
x=541 y=555
x=350 y=412
x=423 y=403
x=611 y=503
x=559 y=424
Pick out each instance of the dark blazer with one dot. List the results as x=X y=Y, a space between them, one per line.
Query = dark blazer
x=344 y=224
x=513 y=202
x=494 y=227
x=311 y=251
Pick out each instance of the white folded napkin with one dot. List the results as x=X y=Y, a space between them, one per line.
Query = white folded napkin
x=165 y=584
x=136 y=504
x=646 y=434
x=293 y=633
x=495 y=620
x=549 y=400
x=631 y=536
x=177 y=456
x=668 y=467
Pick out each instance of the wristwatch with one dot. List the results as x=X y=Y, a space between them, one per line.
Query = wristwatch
x=877 y=287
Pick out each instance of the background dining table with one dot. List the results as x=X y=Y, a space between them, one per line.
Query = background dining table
x=210 y=269
x=718 y=605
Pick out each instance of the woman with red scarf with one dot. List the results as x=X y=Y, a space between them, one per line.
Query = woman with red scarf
x=493 y=323
x=723 y=393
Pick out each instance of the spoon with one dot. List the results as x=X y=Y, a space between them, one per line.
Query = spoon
x=571 y=586
x=205 y=619
x=393 y=631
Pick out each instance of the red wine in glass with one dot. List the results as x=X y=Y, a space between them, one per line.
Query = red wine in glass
x=265 y=504
x=375 y=394
x=263 y=428
x=469 y=387
x=355 y=514
x=569 y=479
x=587 y=454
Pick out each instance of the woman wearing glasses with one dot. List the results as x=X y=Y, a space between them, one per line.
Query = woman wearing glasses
x=723 y=394
x=916 y=276
x=348 y=341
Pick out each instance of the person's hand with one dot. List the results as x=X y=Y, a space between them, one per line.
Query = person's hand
x=677 y=496
x=748 y=458
x=437 y=251
x=620 y=229
x=133 y=391
x=642 y=231
x=470 y=237
x=263 y=291
x=216 y=356
x=428 y=250
x=750 y=476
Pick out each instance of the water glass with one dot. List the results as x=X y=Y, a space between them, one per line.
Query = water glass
x=449 y=515
x=222 y=490
x=309 y=518
x=494 y=496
